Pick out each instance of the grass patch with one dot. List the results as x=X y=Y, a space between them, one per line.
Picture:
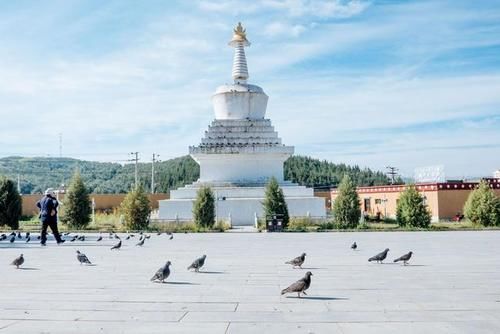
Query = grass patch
x=105 y=222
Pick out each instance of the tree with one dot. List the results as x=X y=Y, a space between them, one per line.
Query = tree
x=274 y=202
x=411 y=209
x=77 y=205
x=136 y=209
x=346 y=210
x=10 y=204
x=204 y=207
x=483 y=206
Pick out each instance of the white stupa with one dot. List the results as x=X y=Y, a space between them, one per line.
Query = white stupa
x=239 y=153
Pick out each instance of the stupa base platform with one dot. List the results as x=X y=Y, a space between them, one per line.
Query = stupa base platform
x=241 y=205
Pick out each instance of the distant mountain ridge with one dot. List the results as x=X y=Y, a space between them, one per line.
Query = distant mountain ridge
x=38 y=173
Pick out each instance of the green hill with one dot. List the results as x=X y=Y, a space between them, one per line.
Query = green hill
x=37 y=174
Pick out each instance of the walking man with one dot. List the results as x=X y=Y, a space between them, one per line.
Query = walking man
x=48 y=215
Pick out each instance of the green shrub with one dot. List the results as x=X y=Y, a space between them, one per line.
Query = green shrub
x=274 y=203
x=388 y=220
x=301 y=224
x=326 y=225
x=77 y=207
x=10 y=204
x=204 y=208
x=136 y=209
x=483 y=206
x=346 y=210
x=411 y=210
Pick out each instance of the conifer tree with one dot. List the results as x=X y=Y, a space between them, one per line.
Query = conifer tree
x=483 y=206
x=346 y=210
x=411 y=209
x=204 y=207
x=136 y=209
x=10 y=204
x=275 y=203
x=76 y=205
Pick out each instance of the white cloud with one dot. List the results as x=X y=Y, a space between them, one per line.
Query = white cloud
x=321 y=8
x=283 y=29
x=293 y=8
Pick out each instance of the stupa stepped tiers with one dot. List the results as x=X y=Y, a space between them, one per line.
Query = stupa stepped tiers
x=239 y=153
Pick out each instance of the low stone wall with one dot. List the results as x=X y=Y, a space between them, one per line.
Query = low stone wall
x=103 y=202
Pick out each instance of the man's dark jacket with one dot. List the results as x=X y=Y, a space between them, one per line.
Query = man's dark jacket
x=48 y=209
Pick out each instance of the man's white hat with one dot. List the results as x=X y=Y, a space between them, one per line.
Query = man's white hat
x=50 y=191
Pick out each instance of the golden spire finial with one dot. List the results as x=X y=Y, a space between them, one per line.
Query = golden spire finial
x=239 y=36
x=240 y=31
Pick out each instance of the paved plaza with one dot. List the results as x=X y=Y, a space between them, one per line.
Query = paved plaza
x=451 y=286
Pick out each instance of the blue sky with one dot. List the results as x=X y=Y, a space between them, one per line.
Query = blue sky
x=373 y=83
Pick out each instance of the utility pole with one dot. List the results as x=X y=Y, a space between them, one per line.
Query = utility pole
x=136 y=159
x=60 y=144
x=153 y=172
x=393 y=171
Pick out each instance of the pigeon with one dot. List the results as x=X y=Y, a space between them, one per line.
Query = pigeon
x=405 y=258
x=19 y=236
x=18 y=261
x=128 y=237
x=27 y=235
x=82 y=258
x=300 y=286
x=162 y=273
x=141 y=242
x=12 y=234
x=100 y=238
x=117 y=246
x=159 y=233
x=28 y=240
x=298 y=261
x=67 y=233
x=74 y=238
x=198 y=263
x=354 y=246
x=117 y=237
x=3 y=236
x=38 y=237
x=379 y=257
x=171 y=237
x=81 y=238
x=148 y=236
x=12 y=239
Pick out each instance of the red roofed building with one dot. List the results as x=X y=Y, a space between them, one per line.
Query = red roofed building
x=445 y=200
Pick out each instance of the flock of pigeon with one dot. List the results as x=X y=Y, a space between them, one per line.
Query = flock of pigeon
x=303 y=284
x=162 y=274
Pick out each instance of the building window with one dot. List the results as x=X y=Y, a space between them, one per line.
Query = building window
x=367 y=205
x=378 y=201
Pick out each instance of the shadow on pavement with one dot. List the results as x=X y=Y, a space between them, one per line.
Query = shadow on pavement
x=317 y=298
x=181 y=283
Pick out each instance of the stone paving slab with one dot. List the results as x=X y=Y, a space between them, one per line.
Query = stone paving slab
x=451 y=286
